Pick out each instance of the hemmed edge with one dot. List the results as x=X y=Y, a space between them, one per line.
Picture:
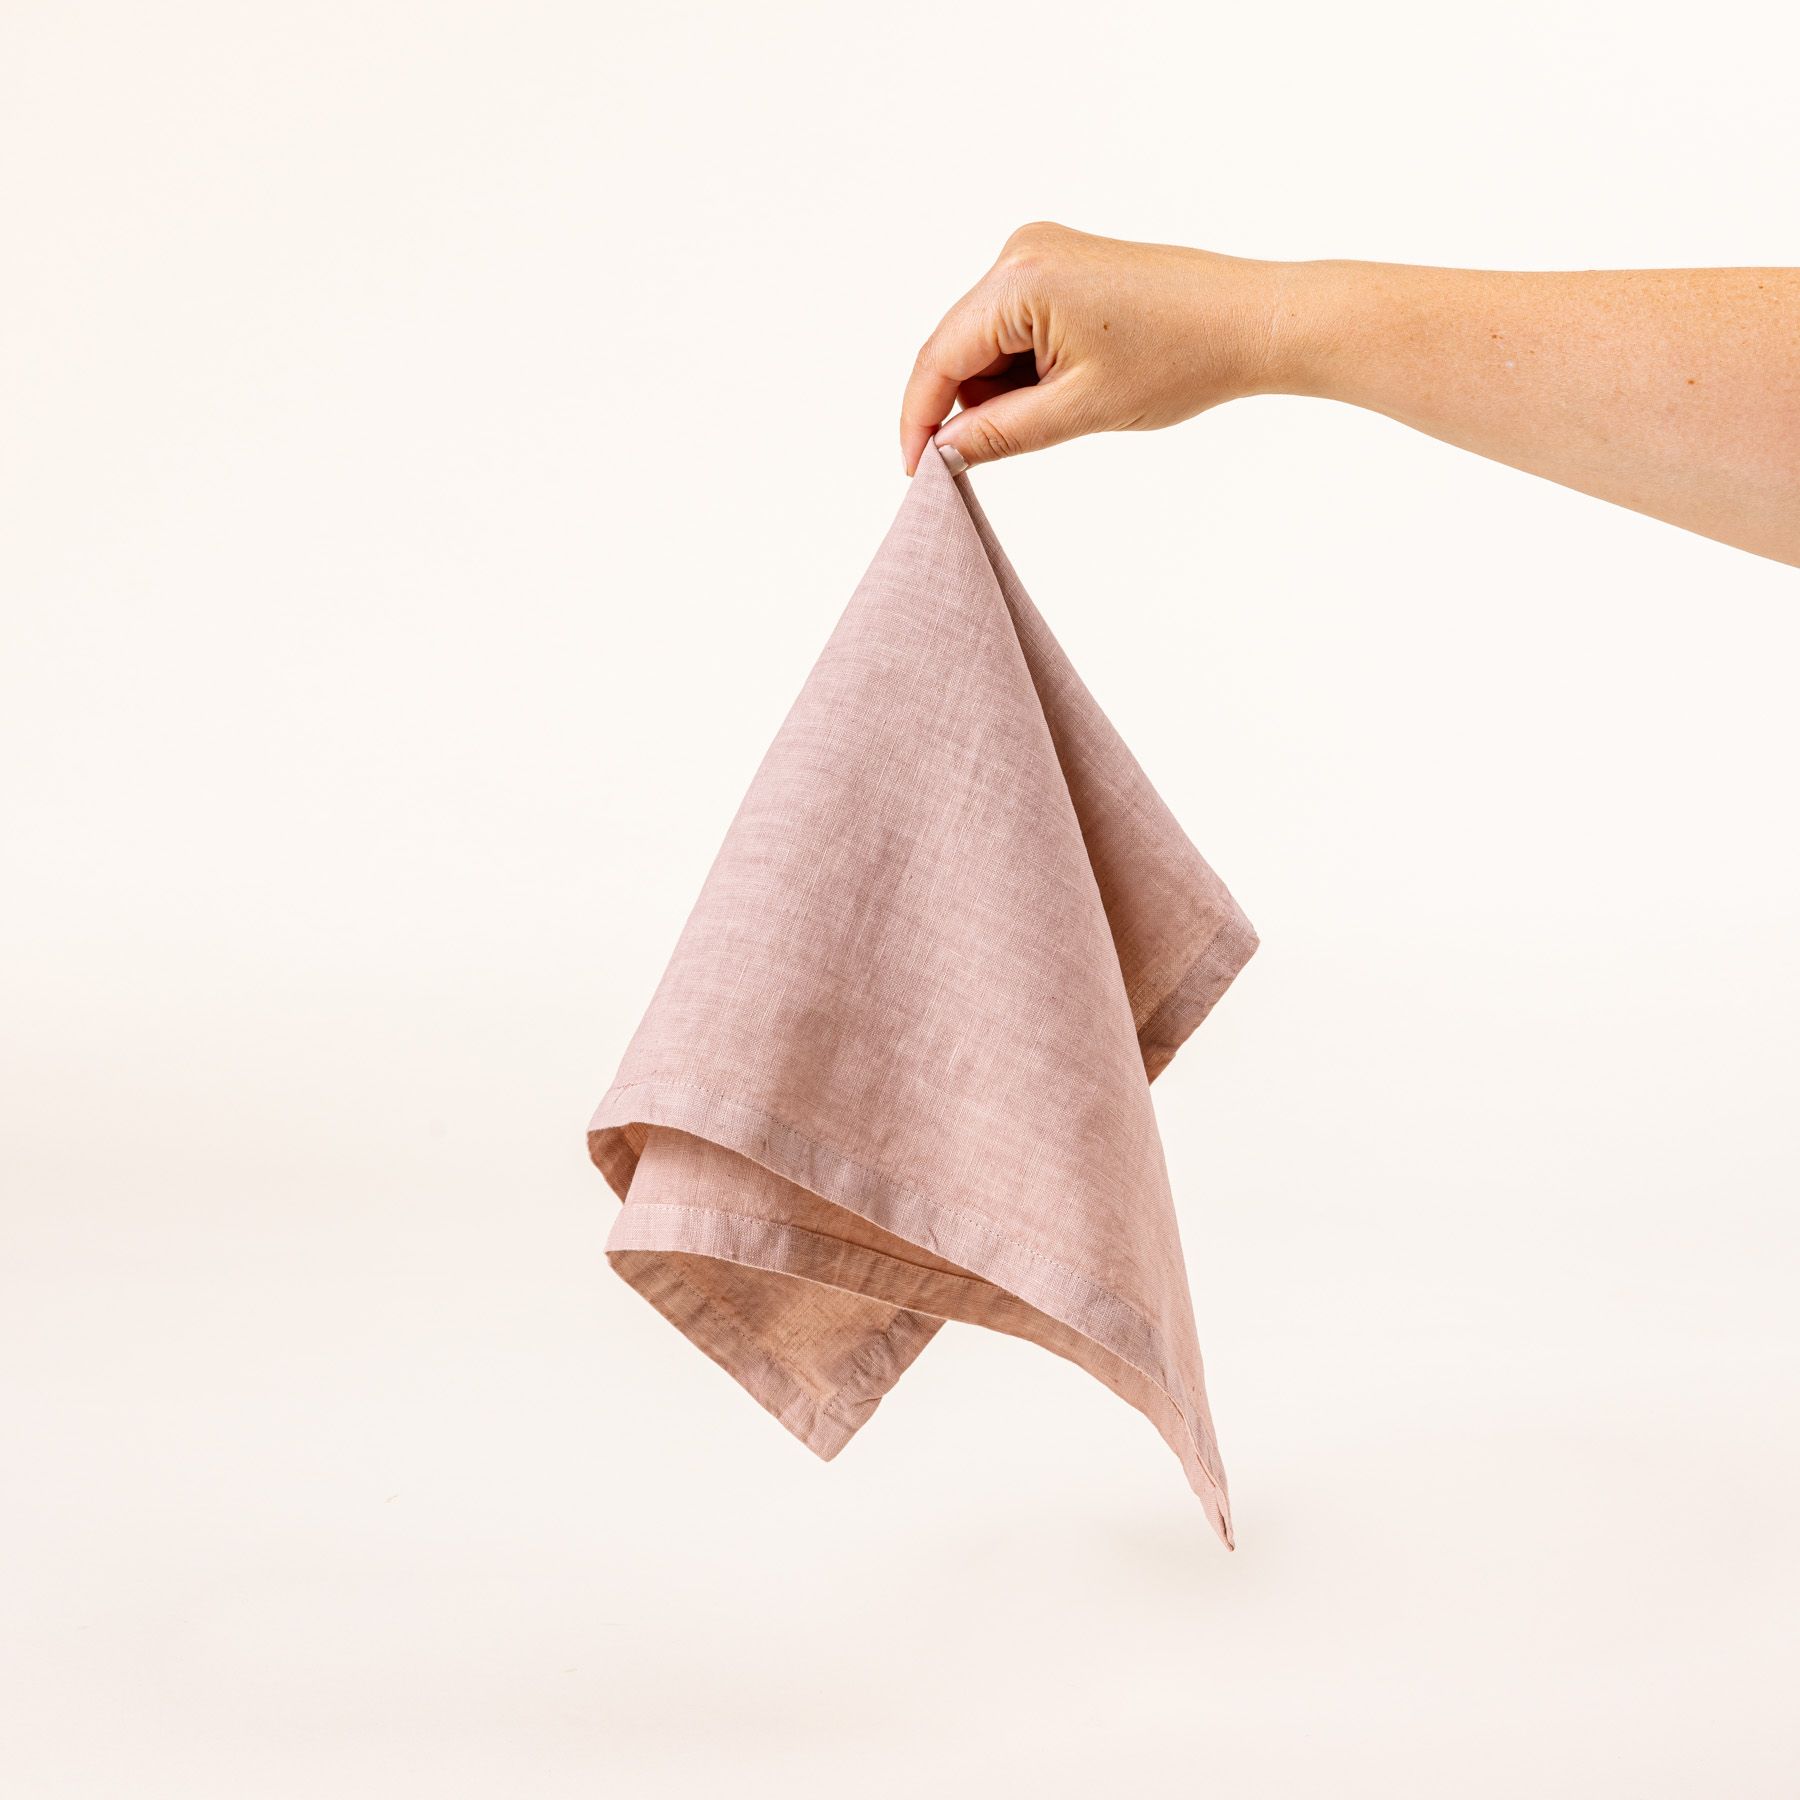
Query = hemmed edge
x=615 y=1139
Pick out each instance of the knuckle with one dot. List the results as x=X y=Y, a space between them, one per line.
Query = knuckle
x=990 y=441
x=1030 y=242
x=932 y=358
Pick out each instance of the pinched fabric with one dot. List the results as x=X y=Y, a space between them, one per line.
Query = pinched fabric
x=898 y=1070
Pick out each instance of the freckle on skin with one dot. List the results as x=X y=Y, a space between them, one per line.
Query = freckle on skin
x=1104 y=326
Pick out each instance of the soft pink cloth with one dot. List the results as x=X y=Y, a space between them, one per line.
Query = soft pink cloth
x=898 y=1069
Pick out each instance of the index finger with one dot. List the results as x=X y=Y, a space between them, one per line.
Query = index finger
x=972 y=340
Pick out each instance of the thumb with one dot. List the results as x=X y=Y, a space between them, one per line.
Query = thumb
x=1011 y=423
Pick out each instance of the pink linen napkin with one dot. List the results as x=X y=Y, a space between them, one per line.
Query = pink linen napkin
x=898 y=1070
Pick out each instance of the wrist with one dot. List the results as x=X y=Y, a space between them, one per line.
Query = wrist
x=1307 y=306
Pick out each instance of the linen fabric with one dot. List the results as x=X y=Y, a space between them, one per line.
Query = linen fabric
x=898 y=1070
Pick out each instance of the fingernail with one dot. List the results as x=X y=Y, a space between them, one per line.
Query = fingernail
x=953 y=459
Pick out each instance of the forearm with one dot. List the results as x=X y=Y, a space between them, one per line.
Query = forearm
x=1674 y=392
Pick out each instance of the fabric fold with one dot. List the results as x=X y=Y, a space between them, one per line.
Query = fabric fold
x=898 y=1069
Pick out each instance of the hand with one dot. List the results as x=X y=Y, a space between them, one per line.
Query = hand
x=1068 y=334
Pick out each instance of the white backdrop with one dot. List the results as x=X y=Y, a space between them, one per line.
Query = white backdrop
x=437 y=439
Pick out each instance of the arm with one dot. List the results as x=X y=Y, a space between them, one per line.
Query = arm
x=1675 y=392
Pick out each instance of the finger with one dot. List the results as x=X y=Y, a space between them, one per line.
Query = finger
x=972 y=342
x=1025 y=418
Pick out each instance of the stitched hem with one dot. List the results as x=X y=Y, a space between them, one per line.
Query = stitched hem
x=824 y=1423
x=1176 y=1017
x=1062 y=1294
x=660 y=1235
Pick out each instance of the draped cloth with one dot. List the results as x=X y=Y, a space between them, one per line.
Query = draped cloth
x=898 y=1069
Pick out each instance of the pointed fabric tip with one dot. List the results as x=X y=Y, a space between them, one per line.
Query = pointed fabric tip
x=898 y=1070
